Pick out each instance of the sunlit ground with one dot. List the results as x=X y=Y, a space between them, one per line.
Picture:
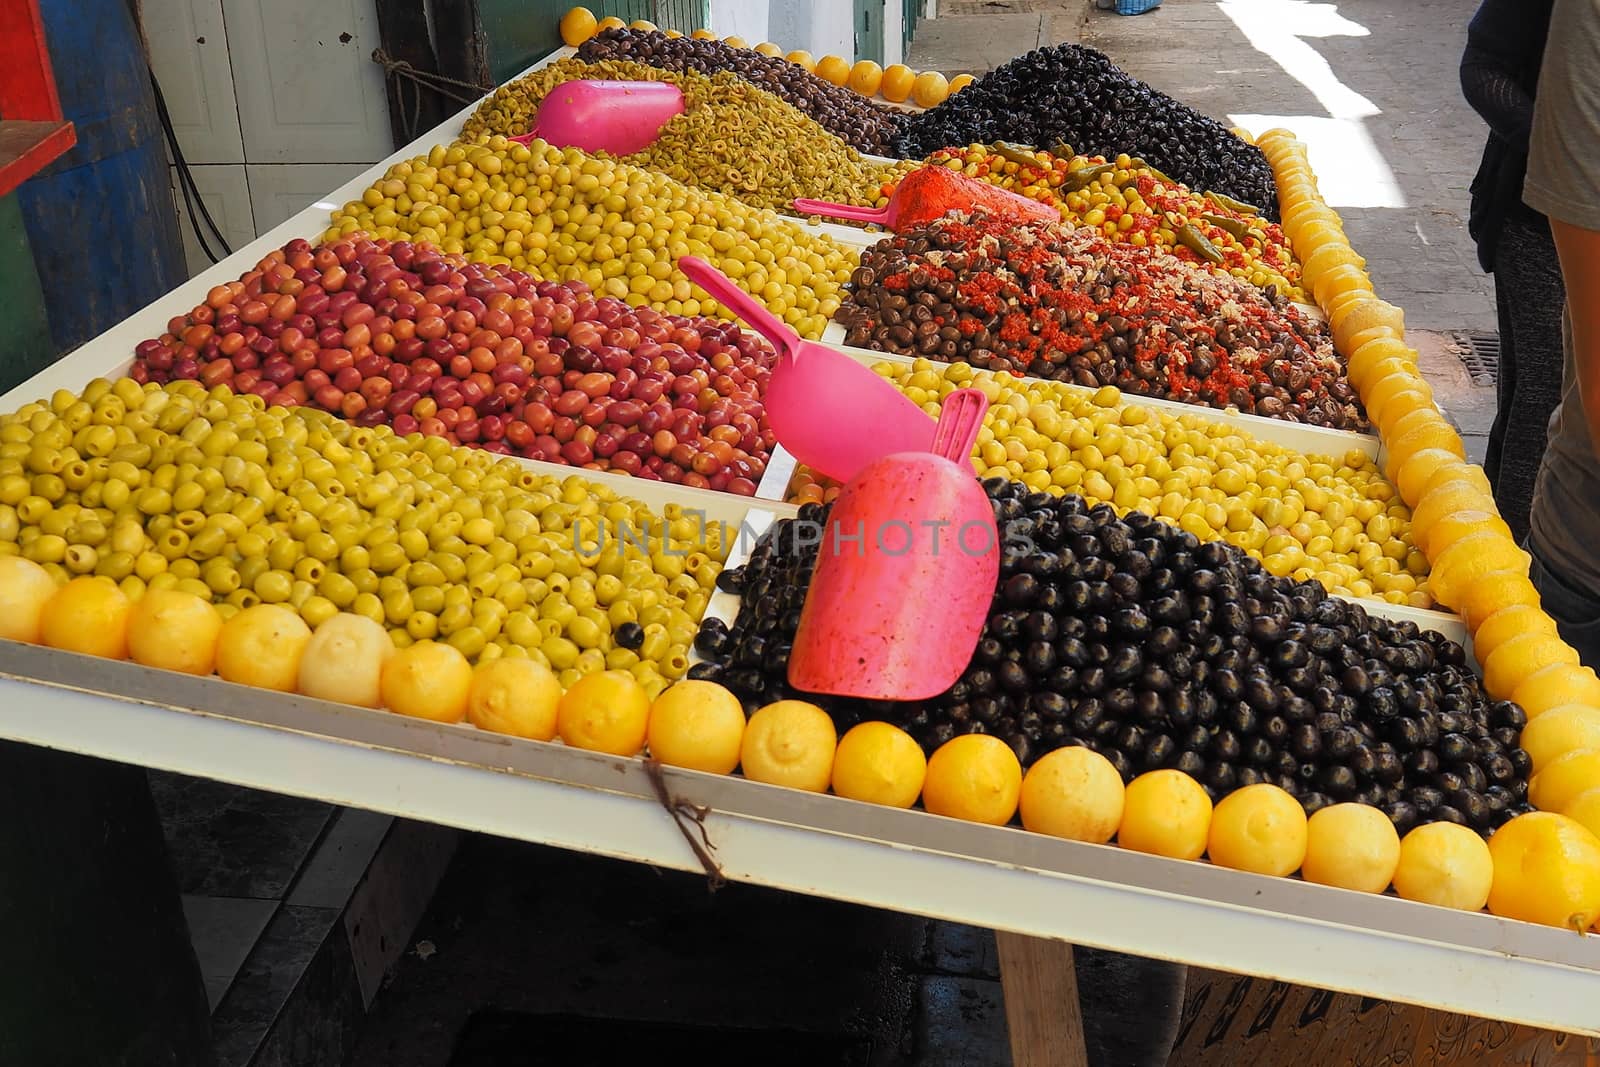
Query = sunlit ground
x=1351 y=170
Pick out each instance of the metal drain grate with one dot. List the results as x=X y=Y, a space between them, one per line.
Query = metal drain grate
x=1479 y=352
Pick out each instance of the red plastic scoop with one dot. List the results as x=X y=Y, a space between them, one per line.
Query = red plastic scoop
x=605 y=116
x=906 y=572
x=932 y=192
x=830 y=412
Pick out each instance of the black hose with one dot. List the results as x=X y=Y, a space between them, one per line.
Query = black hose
x=186 y=184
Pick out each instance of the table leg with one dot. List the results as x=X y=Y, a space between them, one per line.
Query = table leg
x=1041 y=994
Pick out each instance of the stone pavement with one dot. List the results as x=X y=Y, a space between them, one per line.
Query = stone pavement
x=1377 y=97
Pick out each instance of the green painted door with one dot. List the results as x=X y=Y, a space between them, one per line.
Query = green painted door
x=517 y=32
x=25 y=345
x=869 y=30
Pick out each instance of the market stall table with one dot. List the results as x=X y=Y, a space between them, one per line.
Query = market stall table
x=1040 y=893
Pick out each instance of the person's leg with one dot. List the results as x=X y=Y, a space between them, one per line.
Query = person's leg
x=1528 y=273
x=1577 y=613
x=1505 y=381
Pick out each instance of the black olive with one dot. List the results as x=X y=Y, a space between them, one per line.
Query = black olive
x=1472 y=776
x=1306 y=741
x=1047 y=704
x=1072 y=651
x=989 y=651
x=1259 y=751
x=1505 y=714
x=1260 y=693
x=1092 y=680
x=1225 y=745
x=1406 y=732
x=987 y=709
x=1403 y=814
x=1426 y=798
x=1123 y=765
x=1040 y=626
x=705 y=671
x=1508 y=736
x=1125 y=662
x=981 y=680
x=1342 y=743
x=1447 y=813
x=1227 y=684
x=1220 y=778
x=1190 y=763
x=1020 y=590
x=1087 y=717
x=1423 y=763
x=1388 y=768
x=1197 y=739
x=1338 y=781
x=1039 y=658
x=1275 y=729
x=1315 y=802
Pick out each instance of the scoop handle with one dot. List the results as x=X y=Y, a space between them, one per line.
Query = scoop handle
x=960 y=419
x=841 y=211
x=747 y=307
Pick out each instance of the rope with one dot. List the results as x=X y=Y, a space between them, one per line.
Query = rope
x=402 y=75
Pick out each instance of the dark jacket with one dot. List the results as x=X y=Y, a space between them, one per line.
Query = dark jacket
x=1499 y=76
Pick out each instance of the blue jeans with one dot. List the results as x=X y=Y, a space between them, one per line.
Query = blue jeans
x=1575 y=610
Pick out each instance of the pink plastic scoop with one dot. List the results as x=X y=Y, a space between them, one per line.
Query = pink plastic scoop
x=831 y=413
x=605 y=116
x=930 y=193
x=906 y=572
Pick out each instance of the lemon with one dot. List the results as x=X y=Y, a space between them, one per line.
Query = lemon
x=1259 y=828
x=1546 y=870
x=1165 y=813
x=514 y=696
x=1507 y=623
x=960 y=82
x=1555 y=686
x=344 y=660
x=865 y=78
x=879 y=763
x=1362 y=315
x=24 y=588
x=1352 y=846
x=1470 y=558
x=1444 y=864
x=610 y=22
x=696 y=724
x=427 y=680
x=735 y=41
x=703 y=34
x=642 y=25
x=261 y=646
x=1492 y=592
x=1585 y=810
x=1446 y=498
x=88 y=615
x=177 y=631
x=1564 y=778
x=1453 y=527
x=833 y=69
x=792 y=743
x=1516 y=659
x=1074 y=793
x=898 y=80
x=607 y=711
x=929 y=89
x=801 y=58
x=578 y=25
x=974 y=777
x=767 y=48
x=1560 y=731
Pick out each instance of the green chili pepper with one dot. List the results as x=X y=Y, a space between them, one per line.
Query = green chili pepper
x=1238 y=228
x=1140 y=164
x=1196 y=242
x=1083 y=178
x=1021 y=155
x=1228 y=203
x=1062 y=150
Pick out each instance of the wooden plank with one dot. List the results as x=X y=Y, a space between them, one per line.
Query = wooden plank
x=27 y=89
x=27 y=147
x=1042 y=1009
x=403 y=35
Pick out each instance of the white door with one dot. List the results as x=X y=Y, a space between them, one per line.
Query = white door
x=189 y=52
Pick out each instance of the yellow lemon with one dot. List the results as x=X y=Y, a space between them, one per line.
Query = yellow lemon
x=697 y=724
x=176 y=631
x=1556 y=686
x=1519 y=657
x=879 y=763
x=517 y=697
x=1074 y=793
x=1564 y=779
x=1165 y=813
x=1352 y=846
x=607 y=711
x=1446 y=865
x=1259 y=828
x=767 y=48
x=898 y=80
x=1459 y=524
x=833 y=69
x=25 y=587
x=1507 y=623
x=929 y=89
x=801 y=58
x=428 y=680
x=578 y=25
x=865 y=77
x=344 y=660
x=792 y=743
x=1491 y=592
x=1560 y=731
x=262 y=646
x=960 y=82
x=974 y=777
x=1546 y=870
x=1585 y=810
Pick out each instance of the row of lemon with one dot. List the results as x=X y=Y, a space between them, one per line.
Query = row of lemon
x=1476 y=566
x=896 y=83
